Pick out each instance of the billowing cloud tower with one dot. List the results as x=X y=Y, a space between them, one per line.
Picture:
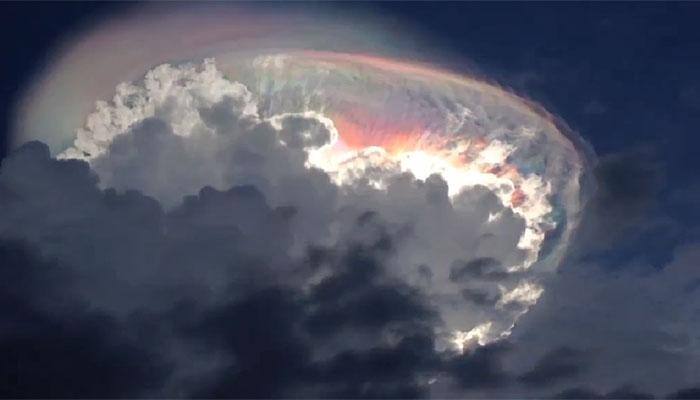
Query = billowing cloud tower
x=467 y=194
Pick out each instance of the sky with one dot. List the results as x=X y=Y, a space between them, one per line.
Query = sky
x=218 y=229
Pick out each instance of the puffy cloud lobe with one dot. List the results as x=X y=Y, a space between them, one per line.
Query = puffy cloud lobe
x=169 y=93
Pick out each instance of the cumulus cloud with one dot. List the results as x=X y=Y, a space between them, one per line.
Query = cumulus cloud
x=202 y=225
x=186 y=127
x=200 y=300
x=197 y=245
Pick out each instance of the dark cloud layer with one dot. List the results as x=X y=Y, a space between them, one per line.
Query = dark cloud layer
x=616 y=322
x=108 y=293
x=558 y=364
x=54 y=345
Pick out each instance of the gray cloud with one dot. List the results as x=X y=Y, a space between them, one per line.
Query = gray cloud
x=211 y=291
x=558 y=364
x=218 y=264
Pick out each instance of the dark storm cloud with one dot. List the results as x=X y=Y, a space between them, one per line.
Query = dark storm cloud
x=140 y=296
x=561 y=363
x=578 y=393
x=625 y=207
x=55 y=345
x=480 y=297
x=624 y=392
x=628 y=392
x=270 y=336
x=383 y=372
x=688 y=393
x=261 y=337
x=481 y=368
x=121 y=257
x=358 y=295
x=480 y=268
x=628 y=182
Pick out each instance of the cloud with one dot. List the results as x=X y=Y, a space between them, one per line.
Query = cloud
x=186 y=127
x=624 y=392
x=558 y=364
x=481 y=368
x=625 y=313
x=56 y=345
x=630 y=325
x=209 y=298
x=200 y=251
x=627 y=195
x=210 y=282
x=259 y=335
x=689 y=393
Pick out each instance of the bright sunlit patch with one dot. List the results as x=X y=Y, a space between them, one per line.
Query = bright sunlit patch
x=527 y=293
x=478 y=335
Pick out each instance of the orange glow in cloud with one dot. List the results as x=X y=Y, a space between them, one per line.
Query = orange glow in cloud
x=358 y=129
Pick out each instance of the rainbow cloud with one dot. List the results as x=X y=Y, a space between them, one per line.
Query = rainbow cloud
x=383 y=117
